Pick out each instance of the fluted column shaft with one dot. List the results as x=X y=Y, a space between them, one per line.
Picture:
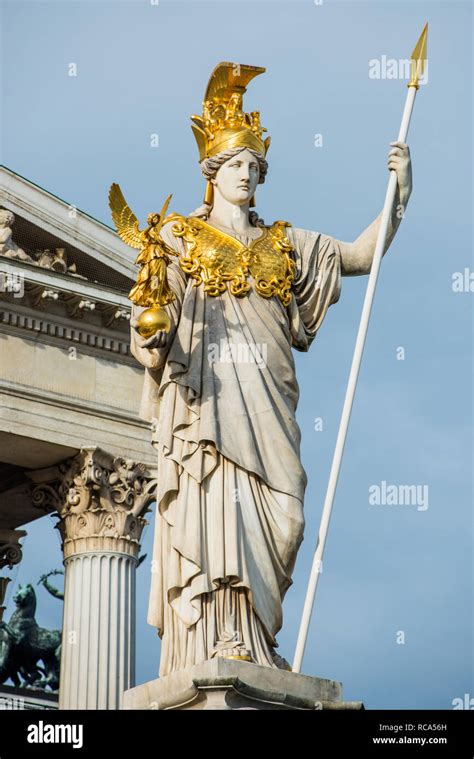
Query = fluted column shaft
x=99 y=629
x=100 y=500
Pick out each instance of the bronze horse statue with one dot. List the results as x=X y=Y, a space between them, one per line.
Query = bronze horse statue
x=25 y=644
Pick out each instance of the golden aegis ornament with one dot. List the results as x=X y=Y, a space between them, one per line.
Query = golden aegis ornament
x=219 y=261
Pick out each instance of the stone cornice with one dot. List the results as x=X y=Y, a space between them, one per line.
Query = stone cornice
x=56 y=330
x=55 y=398
x=54 y=215
x=63 y=283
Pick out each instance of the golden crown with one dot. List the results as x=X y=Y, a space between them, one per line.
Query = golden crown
x=224 y=124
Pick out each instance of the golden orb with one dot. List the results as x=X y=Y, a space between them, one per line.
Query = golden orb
x=152 y=320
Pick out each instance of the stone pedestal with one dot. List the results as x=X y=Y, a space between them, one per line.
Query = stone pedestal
x=225 y=684
x=101 y=500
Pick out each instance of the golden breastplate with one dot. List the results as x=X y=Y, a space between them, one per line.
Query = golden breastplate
x=219 y=261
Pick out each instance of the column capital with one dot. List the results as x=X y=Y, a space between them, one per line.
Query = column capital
x=10 y=548
x=101 y=500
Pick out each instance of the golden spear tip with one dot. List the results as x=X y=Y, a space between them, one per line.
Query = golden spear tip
x=419 y=58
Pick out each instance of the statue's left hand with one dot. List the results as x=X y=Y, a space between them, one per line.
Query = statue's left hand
x=158 y=340
x=399 y=160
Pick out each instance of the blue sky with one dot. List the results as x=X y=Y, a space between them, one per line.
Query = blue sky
x=141 y=70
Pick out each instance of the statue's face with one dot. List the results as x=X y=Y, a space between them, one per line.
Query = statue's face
x=237 y=178
x=6 y=219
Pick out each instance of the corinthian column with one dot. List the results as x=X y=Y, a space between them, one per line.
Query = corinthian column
x=101 y=500
x=10 y=554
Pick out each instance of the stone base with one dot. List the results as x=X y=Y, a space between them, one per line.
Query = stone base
x=229 y=684
x=13 y=698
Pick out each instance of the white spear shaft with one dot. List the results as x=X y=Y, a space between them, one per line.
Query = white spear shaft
x=418 y=57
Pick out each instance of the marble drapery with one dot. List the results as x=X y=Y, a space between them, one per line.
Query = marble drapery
x=222 y=394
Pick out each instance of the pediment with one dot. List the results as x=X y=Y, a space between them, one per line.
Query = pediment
x=49 y=234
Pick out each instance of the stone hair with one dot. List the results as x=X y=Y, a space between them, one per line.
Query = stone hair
x=210 y=167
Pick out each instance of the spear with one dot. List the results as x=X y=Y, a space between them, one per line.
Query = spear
x=417 y=67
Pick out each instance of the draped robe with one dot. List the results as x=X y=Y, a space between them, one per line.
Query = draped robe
x=229 y=506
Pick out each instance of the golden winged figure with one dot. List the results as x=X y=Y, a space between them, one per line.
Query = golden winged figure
x=151 y=290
